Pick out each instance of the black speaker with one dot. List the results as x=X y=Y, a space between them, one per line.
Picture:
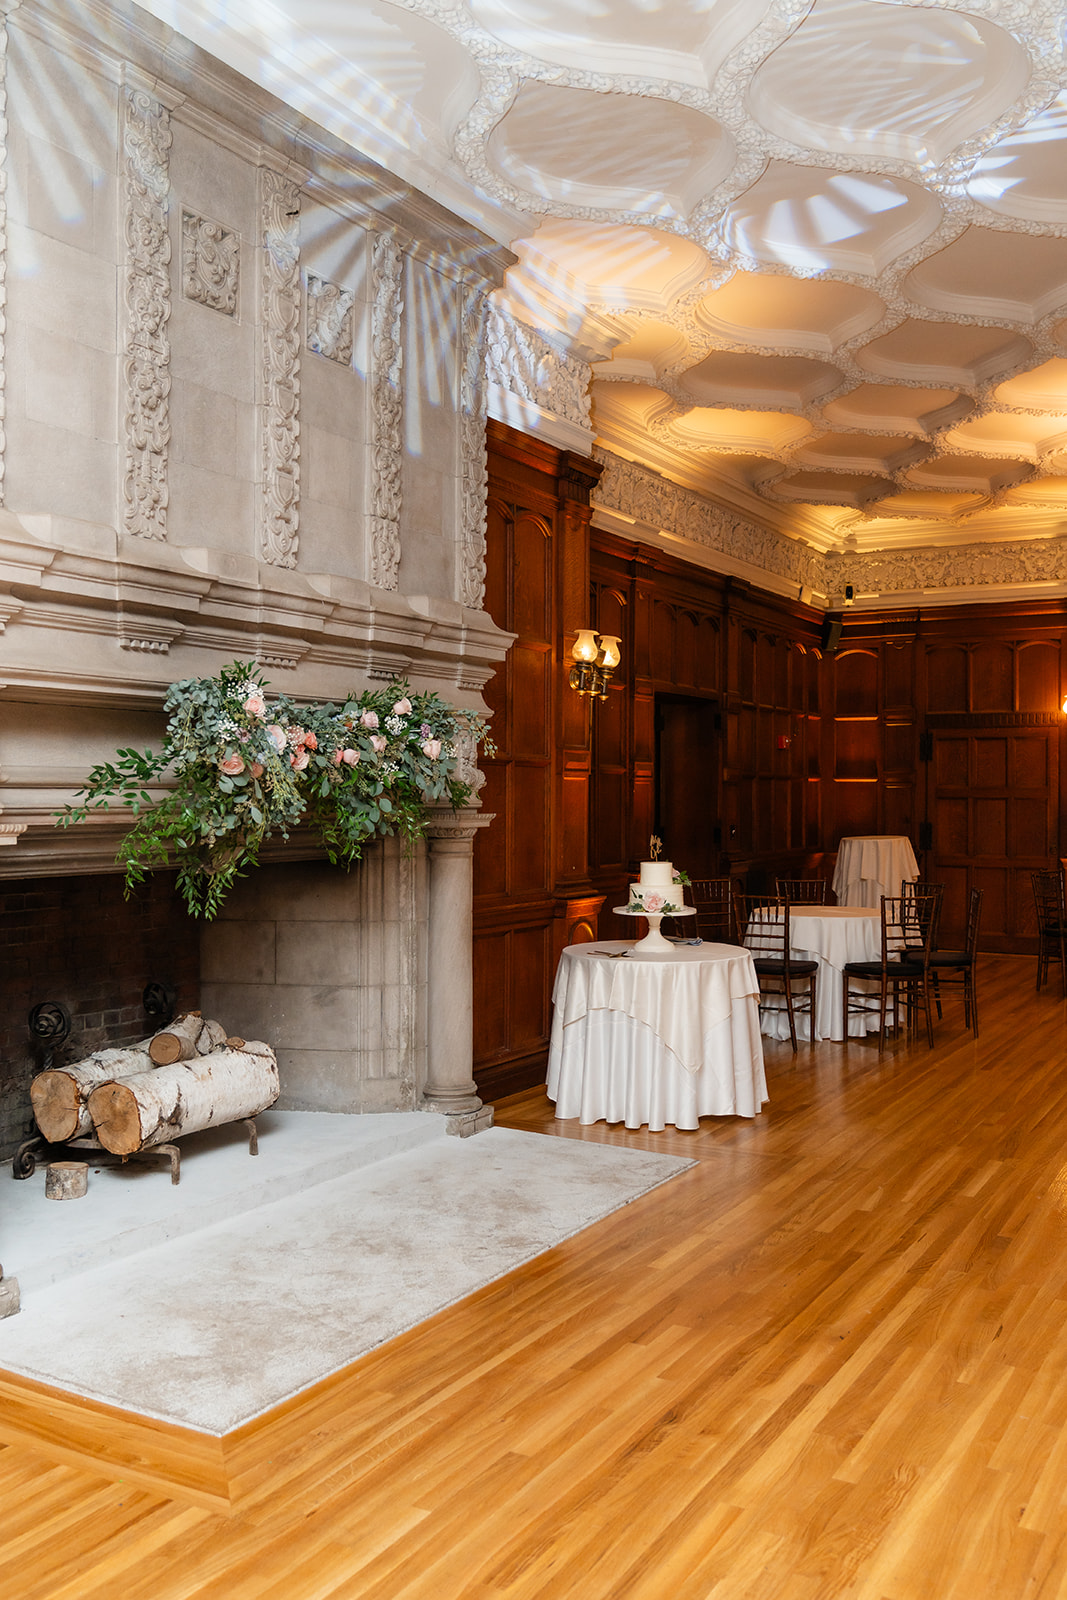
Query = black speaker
x=831 y=634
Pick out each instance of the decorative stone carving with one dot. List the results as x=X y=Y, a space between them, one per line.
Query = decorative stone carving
x=648 y=498
x=3 y=248
x=974 y=566
x=524 y=363
x=467 y=769
x=329 y=320
x=279 y=412
x=211 y=264
x=146 y=368
x=473 y=471
x=384 y=481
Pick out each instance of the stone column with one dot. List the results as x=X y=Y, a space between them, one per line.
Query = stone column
x=450 y=1086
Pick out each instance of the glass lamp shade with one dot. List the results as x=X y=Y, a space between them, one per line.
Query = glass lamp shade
x=609 y=651
x=585 y=646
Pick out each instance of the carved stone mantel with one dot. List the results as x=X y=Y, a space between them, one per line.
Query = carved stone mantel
x=450 y=1086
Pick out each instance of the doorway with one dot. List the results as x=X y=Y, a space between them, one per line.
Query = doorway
x=992 y=805
x=688 y=774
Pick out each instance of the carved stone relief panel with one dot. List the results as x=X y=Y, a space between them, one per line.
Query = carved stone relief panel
x=279 y=411
x=330 y=320
x=3 y=251
x=472 y=414
x=146 y=284
x=384 y=480
x=211 y=264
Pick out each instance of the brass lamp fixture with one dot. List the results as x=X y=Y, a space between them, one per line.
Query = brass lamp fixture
x=595 y=658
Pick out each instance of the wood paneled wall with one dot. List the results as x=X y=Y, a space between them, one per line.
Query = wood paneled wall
x=744 y=727
x=532 y=893
x=725 y=684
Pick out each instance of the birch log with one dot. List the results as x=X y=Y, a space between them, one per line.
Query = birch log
x=59 y=1096
x=187 y=1036
x=184 y=1097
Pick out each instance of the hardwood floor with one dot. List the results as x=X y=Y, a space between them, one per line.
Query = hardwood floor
x=829 y=1362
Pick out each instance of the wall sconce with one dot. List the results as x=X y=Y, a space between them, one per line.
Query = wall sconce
x=595 y=658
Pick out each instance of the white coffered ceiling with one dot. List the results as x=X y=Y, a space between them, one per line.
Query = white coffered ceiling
x=815 y=250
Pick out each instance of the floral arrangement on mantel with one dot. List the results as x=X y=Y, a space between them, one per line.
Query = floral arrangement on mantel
x=244 y=767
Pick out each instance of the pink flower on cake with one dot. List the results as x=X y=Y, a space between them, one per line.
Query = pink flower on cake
x=654 y=903
x=231 y=766
x=431 y=748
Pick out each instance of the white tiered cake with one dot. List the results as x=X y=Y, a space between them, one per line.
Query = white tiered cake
x=655 y=889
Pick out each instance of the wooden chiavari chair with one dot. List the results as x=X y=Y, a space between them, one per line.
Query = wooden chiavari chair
x=909 y=930
x=763 y=924
x=1051 y=923
x=804 y=891
x=958 y=966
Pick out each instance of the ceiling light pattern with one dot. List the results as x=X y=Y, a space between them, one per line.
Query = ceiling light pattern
x=813 y=249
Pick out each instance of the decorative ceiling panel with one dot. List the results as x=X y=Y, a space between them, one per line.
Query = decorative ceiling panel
x=815 y=251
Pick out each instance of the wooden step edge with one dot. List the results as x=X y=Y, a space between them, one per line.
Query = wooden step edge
x=181 y=1463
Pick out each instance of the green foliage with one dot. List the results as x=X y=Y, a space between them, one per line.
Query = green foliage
x=237 y=768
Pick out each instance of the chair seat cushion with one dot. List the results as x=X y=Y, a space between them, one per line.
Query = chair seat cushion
x=873 y=969
x=951 y=958
x=778 y=969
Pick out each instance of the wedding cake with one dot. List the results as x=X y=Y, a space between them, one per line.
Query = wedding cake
x=655 y=890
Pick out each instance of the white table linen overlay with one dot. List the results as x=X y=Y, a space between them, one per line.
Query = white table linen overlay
x=832 y=936
x=652 y=1040
x=869 y=867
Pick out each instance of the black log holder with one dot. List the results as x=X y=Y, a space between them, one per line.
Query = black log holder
x=37 y=1149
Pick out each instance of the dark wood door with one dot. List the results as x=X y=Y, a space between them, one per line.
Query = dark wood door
x=687 y=783
x=992 y=806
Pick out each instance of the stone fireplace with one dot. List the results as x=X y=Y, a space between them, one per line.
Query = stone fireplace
x=244 y=397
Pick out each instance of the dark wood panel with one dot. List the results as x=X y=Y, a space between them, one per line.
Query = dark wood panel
x=946 y=673
x=529 y=818
x=1038 y=669
x=532 y=597
x=856 y=683
x=992 y=673
x=490 y=995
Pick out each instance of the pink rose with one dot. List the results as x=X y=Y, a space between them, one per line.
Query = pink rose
x=336 y=757
x=431 y=748
x=256 y=770
x=350 y=757
x=369 y=719
x=255 y=705
x=311 y=741
x=402 y=708
x=654 y=903
x=231 y=766
x=380 y=742
x=299 y=759
x=276 y=736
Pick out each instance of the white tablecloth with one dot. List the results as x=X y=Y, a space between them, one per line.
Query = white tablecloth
x=867 y=868
x=656 y=1039
x=830 y=935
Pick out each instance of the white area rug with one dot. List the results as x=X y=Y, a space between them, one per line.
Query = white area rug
x=216 y=1325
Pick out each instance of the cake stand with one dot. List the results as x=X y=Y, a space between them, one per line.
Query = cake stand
x=654 y=940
